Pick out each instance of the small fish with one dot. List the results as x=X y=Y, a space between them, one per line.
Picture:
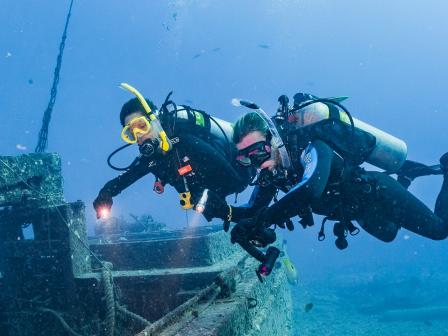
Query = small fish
x=202 y=52
x=290 y=269
x=30 y=81
x=174 y=16
x=308 y=307
x=21 y=147
x=216 y=49
x=263 y=46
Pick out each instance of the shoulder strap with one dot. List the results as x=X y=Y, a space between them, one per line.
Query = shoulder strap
x=335 y=113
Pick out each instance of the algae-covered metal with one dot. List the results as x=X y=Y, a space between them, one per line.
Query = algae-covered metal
x=31 y=179
x=186 y=282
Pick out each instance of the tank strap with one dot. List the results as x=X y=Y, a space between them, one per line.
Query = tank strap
x=334 y=112
x=198 y=117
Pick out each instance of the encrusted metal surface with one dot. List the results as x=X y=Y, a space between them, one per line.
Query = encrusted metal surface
x=31 y=179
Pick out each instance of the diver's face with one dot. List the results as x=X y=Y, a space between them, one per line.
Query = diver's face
x=250 y=140
x=140 y=137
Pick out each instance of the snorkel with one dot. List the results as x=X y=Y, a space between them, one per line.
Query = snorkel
x=149 y=147
x=164 y=142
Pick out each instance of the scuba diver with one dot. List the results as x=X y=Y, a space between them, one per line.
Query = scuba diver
x=180 y=146
x=312 y=152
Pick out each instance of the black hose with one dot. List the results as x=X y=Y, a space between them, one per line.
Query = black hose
x=223 y=133
x=115 y=152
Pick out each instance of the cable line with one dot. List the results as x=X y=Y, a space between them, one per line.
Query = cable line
x=43 y=133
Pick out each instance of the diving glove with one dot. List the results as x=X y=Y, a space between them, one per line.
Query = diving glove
x=266 y=217
x=215 y=207
x=102 y=204
x=248 y=230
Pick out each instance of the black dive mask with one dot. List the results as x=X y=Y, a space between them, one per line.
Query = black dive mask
x=149 y=147
x=254 y=155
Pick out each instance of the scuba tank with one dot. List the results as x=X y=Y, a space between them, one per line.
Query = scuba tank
x=185 y=116
x=388 y=153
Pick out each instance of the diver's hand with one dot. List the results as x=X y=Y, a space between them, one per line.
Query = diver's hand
x=246 y=229
x=243 y=230
x=250 y=230
x=103 y=204
x=265 y=217
x=216 y=207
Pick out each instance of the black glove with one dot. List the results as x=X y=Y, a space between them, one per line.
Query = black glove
x=265 y=218
x=217 y=207
x=248 y=230
x=103 y=201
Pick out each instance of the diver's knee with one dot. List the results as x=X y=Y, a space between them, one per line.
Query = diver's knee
x=388 y=236
x=439 y=234
x=384 y=231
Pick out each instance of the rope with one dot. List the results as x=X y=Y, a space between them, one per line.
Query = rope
x=43 y=133
x=106 y=276
x=61 y=320
x=131 y=315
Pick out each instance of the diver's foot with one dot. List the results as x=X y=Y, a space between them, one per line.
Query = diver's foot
x=444 y=163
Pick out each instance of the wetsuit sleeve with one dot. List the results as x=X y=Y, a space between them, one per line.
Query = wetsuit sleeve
x=138 y=169
x=260 y=198
x=316 y=161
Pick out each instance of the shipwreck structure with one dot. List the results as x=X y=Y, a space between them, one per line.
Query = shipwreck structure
x=59 y=282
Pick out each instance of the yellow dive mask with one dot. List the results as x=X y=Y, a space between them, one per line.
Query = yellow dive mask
x=137 y=126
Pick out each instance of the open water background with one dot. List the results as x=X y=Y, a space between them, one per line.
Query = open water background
x=388 y=56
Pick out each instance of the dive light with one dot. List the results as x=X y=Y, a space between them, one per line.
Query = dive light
x=104 y=213
x=200 y=207
x=268 y=264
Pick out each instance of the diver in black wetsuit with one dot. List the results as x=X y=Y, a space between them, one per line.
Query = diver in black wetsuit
x=324 y=177
x=201 y=157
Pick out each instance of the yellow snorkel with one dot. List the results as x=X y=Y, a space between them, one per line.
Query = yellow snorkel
x=165 y=143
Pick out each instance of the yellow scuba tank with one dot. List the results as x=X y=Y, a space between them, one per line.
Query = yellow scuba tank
x=389 y=152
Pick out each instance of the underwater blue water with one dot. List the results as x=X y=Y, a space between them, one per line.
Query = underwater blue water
x=389 y=57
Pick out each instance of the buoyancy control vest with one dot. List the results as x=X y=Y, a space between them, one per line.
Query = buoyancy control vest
x=209 y=138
